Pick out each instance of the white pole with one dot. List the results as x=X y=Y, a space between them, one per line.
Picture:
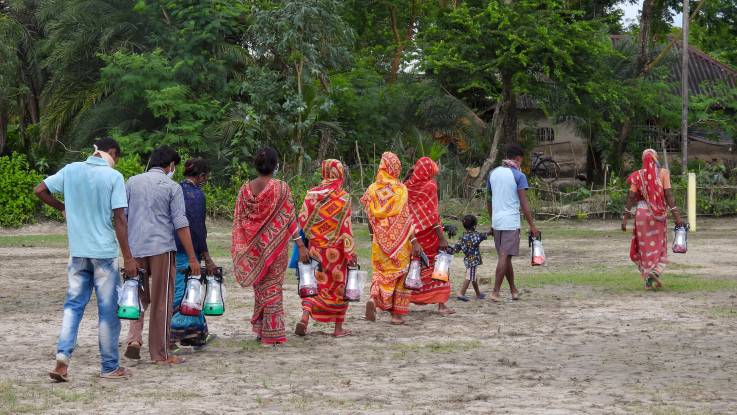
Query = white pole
x=684 y=89
x=692 y=200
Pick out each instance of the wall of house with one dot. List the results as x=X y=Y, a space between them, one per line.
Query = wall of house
x=568 y=147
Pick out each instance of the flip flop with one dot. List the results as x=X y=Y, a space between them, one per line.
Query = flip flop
x=58 y=377
x=301 y=329
x=119 y=373
x=515 y=296
x=370 y=311
x=463 y=298
x=398 y=323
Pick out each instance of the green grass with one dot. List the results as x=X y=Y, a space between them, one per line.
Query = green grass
x=26 y=241
x=403 y=350
x=623 y=281
x=723 y=312
x=16 y=399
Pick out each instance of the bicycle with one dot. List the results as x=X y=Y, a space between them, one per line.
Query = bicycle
x=544 y=167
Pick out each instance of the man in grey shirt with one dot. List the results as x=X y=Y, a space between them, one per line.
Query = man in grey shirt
x=155 y=212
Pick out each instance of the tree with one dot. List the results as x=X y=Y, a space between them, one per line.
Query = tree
x=303 y=40
x=489 y=52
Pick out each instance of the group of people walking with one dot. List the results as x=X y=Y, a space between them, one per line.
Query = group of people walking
x=159 y=227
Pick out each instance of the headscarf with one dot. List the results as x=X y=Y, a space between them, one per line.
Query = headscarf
x=423 y=194
x=262 y=227
x=386 y=202
x=104 y=155
x=325 y=214
x=647 y=181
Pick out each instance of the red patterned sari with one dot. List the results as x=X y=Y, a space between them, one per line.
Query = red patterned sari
x=325 y=219
x=648 y=249
x=423 y=203
x=262 y=227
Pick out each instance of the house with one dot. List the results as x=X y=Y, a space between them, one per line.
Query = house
x=568 y=146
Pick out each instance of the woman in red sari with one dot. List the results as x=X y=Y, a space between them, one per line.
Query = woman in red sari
x=263 y=223
x=325 y=219
x=650 y=190
x=423 y=204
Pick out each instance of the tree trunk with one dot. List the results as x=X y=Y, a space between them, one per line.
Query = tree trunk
x=624 y=133
x=3 y=129
x=509 y=110
x=401 y=41
x=326 y=139
x=504 y=125
x=646 y=22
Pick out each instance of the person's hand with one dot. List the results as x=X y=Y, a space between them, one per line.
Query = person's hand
x=534 y=231
x=194 y=267
x=210 y=267
x=353 y=261
x=304 y=254
x=130 y=267
x=624 y=225
x=416 y=249
x=443 y=245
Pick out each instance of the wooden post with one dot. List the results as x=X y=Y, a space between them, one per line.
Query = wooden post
x=684 y=89
x=360 y=165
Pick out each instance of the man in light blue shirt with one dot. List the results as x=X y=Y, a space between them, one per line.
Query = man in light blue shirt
x=508 y=187
x=94 y=193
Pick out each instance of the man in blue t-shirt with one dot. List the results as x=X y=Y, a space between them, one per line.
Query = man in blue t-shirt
x=508 y=188
x=94 y=193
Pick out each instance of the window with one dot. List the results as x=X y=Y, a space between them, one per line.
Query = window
x=545 y=135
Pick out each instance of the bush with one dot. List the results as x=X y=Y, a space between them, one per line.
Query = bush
x=129 y=166
x=18 y=204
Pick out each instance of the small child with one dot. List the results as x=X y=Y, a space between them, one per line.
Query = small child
x=469 y=245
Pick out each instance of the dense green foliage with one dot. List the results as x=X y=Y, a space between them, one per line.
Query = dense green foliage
x=18 y=204
x=334 y=78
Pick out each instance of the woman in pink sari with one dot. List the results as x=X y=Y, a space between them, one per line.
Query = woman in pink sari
x=264 y=221
x=650 y=190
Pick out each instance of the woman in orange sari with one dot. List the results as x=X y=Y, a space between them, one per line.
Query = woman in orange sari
x=325 y=219
x=423 y=205
x=263 y=223
x=393 y=241
x=650 y=190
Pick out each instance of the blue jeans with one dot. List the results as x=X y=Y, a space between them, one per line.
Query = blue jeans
x=84 y=275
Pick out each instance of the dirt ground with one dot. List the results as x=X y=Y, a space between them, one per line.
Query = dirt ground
x=565 y=348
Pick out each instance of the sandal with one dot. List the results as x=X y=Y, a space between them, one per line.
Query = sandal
x=59 y=374
x=174 y=360
x=463 y=298
x=119 y=373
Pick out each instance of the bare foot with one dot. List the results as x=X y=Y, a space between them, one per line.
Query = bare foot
x=515 y=295
x=301 y=329
x=397 y=320
x=370 y=310
x=495 y=297
x=444 y=310
x=342 y=333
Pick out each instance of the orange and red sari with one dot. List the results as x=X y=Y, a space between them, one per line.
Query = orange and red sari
x=424 y=206
x=648 y=249
x=262 y=227
x=386 y=204
x=325 y=219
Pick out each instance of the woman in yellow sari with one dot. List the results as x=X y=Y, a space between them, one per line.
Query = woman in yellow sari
x=393 y=241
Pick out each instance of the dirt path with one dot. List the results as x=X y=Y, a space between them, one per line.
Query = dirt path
x=564 y=349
